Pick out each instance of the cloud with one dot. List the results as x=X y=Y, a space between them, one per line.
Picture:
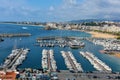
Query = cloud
x=89 y=9
x=70 y=2
x=12 y=10
x=68 y=10
x=51 y=8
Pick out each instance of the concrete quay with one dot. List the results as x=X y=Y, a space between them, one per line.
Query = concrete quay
x=15 y=35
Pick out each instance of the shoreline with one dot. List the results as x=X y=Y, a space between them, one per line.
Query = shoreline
x=113 y=53
x=24 y=24
x=93 y=33
x=101 y=35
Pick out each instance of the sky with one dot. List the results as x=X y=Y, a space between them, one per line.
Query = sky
x=58 y=10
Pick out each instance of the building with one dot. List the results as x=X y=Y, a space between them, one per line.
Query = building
x=8 y=75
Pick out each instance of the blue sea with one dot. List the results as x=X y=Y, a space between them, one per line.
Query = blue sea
x=33 y=59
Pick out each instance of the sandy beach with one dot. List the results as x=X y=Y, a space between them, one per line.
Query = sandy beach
x=101 y=35
x=117 y=54
x=114 y=53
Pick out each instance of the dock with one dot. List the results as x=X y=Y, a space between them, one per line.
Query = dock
x=97 y=63
x=71 y=62
x=48 y=61
x=68 y=37
x=20 y=59
x=15 y=35
x=13 y=61
x=52 y=43
x=73 y=43
x=15 y=58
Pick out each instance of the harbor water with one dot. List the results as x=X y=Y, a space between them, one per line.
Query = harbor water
x=34 y=57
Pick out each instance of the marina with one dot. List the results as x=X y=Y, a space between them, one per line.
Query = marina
x=60 y=40
x=71 y=62
x=53 y=64
x=48 y=62
x=15 y=59
x=74 y=43
x=97 y=63
x=32 y=61
x=108 y=44
x=52 y=43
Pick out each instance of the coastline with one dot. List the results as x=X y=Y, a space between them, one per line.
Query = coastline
x=117 y=55
x=23 y=24
x=101 y=35
x=113 y=53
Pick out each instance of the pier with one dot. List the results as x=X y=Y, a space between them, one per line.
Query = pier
x=52 y=43
x=15 y=35
x=97 y=63
x=20 y=59
x=11 y=62
x=48 y=62
x=108 y=44
x=66 y=38
x=73 y=43
x=71 y=62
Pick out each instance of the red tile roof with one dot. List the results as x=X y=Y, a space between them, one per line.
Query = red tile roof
x=8 y=75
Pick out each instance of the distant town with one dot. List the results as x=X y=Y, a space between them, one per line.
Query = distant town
x=109 y=27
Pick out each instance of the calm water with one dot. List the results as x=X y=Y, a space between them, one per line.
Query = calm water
x=34 y=56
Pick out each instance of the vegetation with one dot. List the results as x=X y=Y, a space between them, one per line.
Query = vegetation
x=118 y=37
x=91 y=24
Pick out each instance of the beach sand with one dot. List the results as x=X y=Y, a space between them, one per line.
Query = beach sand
x=114 y=53
x=117 y=55
x=101 y=35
